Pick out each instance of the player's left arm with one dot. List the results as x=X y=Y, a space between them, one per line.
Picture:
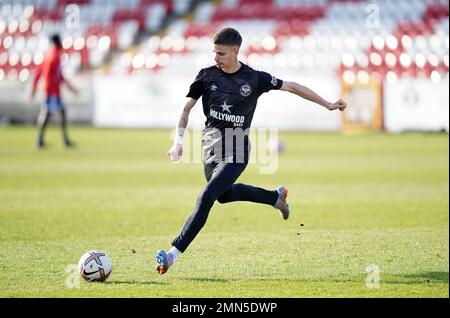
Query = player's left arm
x=306 y=93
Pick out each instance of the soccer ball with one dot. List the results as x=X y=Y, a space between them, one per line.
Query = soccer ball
x=95 y=266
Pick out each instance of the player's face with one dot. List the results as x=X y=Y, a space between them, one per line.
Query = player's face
x=225 y=56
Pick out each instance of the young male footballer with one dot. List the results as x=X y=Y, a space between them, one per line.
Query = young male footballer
x=230 y=90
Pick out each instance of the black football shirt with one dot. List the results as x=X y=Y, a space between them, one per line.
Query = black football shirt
x=229 y=102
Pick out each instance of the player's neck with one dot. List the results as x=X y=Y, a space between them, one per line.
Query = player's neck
x=232 y=68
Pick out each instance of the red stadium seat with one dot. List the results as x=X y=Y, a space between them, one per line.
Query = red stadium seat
x=199 y=30
x=168 y=3
x=67 y=2
x=54 y=15
x=260 y=11
x=130 y=14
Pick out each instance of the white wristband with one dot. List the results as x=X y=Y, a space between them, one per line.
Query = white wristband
x=178 y=140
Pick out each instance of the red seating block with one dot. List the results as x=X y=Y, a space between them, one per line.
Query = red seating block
x=122 y=15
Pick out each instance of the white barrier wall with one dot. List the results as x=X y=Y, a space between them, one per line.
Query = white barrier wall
x=147 y=100
x=136 y=101
x=16 y=106
x=416 y=104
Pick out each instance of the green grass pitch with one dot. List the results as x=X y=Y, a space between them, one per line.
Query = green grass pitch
x=368 y=199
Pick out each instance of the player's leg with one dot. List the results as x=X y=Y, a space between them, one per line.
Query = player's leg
x=42 y=122
x=244 y=192
x=223 y=177
x=66 y=139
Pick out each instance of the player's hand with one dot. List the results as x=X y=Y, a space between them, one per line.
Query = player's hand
x=340 y=104
x=175 y=152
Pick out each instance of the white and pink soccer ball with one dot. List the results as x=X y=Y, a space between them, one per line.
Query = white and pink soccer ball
x=95 y=266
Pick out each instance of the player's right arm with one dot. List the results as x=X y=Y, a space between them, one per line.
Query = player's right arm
x=306 y=93
x=176 y=151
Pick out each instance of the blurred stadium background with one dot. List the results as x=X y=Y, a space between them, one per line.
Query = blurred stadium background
x=134 y=59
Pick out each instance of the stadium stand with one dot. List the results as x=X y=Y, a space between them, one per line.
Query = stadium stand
x=352 y=39
x=381 y=37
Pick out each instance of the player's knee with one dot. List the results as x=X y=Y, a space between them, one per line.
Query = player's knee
x=228 y=196
x=43 y=112
x=43 y=116
x=206 y=196
x=224 y=198
x=221 y=200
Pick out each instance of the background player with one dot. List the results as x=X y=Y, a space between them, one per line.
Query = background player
x=51 y=71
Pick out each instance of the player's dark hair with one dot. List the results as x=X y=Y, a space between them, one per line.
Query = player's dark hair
x=228 y=36
x=56 y=40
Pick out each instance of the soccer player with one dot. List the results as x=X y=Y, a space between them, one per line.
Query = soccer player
x=230 y=90
x=50 y=70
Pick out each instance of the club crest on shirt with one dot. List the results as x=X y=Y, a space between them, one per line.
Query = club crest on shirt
x=245 y=90
x=274 y=81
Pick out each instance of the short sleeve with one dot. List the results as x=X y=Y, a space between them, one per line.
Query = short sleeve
x=267 y=82
x=197 y=88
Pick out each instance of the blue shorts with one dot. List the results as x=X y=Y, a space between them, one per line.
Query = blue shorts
x=54 y=103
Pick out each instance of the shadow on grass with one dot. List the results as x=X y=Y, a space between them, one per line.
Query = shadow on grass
x=123 y=282
x=417 y=278
x=205 y=279
x=407 y=279
x=387 y=278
